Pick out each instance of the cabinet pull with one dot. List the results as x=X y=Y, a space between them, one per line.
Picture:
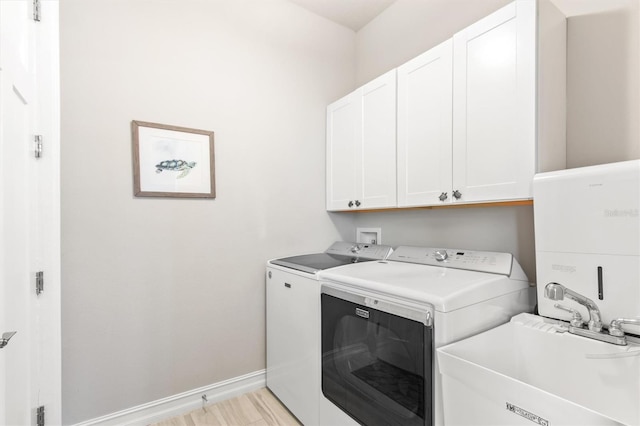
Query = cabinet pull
x=358 y=203
x=350 y=204
x=443 y=196
x=457 y=194
x=287 y=285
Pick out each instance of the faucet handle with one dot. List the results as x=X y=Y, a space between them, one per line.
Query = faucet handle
x=5 y=338
x=615 y=328
x=576 y=319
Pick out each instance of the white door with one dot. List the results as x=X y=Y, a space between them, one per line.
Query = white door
x=424 y=128
x=494 y=104
x=376 y=154
x=29 y=213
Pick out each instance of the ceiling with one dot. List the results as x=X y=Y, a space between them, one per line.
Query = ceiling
x=353 y=14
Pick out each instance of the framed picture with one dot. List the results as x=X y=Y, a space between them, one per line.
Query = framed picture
x=171 y=161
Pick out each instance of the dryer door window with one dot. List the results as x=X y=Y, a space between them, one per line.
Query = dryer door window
x=376 y=366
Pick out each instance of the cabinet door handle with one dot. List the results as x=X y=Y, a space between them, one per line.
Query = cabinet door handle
x=457 y=194
x=358 y=203
x=443 y=196
x=350 y=204
x=287 y=285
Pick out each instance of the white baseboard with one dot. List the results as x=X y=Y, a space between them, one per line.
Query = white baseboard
x=182 y=403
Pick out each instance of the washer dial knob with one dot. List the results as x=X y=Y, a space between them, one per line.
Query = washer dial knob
x=441 y=255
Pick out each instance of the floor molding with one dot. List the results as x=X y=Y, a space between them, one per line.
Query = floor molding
x=182 y=403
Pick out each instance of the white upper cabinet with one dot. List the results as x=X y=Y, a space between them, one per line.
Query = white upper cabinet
x=505 y=126
x=424 y=128
x=477 y=117
x=361 y=147
x=343 y=134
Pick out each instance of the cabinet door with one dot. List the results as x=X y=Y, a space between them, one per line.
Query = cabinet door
x=376 y=156
x=494 y=105
x=424 y=127
x=293 y=342
x=344 y=133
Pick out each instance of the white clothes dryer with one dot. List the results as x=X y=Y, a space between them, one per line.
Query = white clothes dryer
x=381 y=322
x=293 y=322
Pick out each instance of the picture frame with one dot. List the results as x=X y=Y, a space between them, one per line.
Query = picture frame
x=172 y=161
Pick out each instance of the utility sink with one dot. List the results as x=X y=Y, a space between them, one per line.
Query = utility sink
x=531 y=371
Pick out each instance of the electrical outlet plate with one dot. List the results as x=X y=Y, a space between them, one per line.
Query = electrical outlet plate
x=369 y=235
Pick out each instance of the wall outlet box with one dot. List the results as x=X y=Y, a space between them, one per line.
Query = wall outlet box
x=369 y=235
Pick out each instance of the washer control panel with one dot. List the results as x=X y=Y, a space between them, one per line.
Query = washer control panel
x=361 y=250
x=482 y=261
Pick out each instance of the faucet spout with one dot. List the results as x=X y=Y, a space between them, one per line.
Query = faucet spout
x=555 y=291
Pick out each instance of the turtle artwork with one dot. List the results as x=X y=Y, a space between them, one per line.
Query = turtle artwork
x=176 y=166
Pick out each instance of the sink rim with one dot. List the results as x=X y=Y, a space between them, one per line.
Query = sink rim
x=510 y=356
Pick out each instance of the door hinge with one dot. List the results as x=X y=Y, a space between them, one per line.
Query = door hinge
x=39 y=282
x=37 y=152
x=36 y=10
x=40 y=416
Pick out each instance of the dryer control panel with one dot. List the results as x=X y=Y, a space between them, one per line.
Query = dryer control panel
x=360 y=250
x=481 y=261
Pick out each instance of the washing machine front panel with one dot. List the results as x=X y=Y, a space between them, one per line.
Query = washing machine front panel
x=463 y=301
x=376 y=366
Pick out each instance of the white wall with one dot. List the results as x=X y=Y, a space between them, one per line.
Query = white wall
x=603 y=84
x=603 y=108
x=162 y=296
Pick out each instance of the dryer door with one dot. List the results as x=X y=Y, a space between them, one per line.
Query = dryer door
x=376 y=366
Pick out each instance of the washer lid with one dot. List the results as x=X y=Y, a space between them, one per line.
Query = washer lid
x=445 y=288
x=338 y=254
x=313 y=263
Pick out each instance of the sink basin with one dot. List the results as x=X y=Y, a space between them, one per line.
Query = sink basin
x=531 y=371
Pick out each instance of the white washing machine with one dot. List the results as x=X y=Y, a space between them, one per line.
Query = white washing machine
x=293 y=322
x=381 y=322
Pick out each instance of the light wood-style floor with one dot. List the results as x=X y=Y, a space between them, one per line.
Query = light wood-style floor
x=258 y=408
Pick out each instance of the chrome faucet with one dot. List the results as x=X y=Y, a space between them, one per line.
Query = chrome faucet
x=555 y=291
x=615 y=334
